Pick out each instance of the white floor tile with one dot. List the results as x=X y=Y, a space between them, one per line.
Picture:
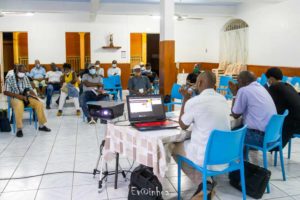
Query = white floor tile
x=63 y=193
x=57 y=180
x=24 y=195
x=23 y=184
x=88 y=192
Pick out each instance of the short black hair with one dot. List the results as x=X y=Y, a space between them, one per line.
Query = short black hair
x=192 y=78
x=275 y=73
x=67 y=66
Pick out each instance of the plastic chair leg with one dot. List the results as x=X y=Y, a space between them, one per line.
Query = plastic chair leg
x=242 y=172
x=169 y=108
x=266 y=167
x=14 y=122
x=282 y=164
x=275 y=158
x=204 y=189
x=179 y=179
x=30 y=116
x=290 y=149
x=35 y=121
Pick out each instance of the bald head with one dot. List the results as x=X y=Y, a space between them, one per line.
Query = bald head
x=206 y=80
x=245 y=78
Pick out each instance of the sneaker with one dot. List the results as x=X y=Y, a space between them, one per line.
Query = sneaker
x=78 y=113
x=92 y=121
x=48 y=107
x=19 y=133
x=44 y=128
x=59 y=113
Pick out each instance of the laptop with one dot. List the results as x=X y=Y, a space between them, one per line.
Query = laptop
x=147 y=113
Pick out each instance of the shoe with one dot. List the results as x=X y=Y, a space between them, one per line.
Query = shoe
x=210 y=190
x=59 y=113
x=92 y=121
x=44 y=128
x=48 y=107
x=19 y=133
x=78 y=113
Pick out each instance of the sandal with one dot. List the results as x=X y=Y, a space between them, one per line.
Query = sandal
x=198 y=195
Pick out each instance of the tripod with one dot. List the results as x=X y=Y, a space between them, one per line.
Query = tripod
x=104 y=174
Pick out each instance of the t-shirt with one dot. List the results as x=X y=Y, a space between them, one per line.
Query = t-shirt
x=136 y=83
x=114 y=71
x=54 y=76
x=91 y=79
x=286 y=97
x=256 y=105
x=207 y=111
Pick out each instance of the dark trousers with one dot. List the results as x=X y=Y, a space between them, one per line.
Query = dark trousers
x=51 y=87
x=290 y=127
x=89 y=96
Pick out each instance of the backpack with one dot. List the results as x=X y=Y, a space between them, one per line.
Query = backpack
x=144 y=185
x=4 y=122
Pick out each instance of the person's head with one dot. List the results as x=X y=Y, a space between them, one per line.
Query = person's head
x=86 y=65
x=92 y=69
x=53 y=67
x=142 y=64
x=97 y=64
x=137 y=70
x=148 y=67
x=20 y=71
x=114 y=63
x=191 y=79
x=67 y=68
x=197 y=68
x=274 y=75
x=205 y=80
x=245 y=78
x=37 y=63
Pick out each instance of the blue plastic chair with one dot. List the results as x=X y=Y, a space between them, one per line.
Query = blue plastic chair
x=262 y=80
x=289 y=148
x=10 y=113
x=116 y=81
x=224 y=86
x=285 y=79
x=175 y=94
x=272 y=139
x=295 y=80
x=233 y=142
x=110 y=87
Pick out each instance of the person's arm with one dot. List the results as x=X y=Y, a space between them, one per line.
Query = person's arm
x=89 y=84
x=8 y=89
x=131 y=87
x=62 y=79
x=47 y=77
x=74 y=78
x=119 y=72
x=148 y=85
x=185 y=119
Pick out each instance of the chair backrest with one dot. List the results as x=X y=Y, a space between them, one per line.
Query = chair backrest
x=295 y=80
x=273 y=130
x=175 y=94
x=108 y=84
x=224 y=147
x=116 y=80
x=224 y=81
x=285 y=79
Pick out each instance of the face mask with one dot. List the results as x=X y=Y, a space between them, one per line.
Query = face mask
x=196 y=70
x=38 y=65
x=97 y=66
x=21 y=74
x=92 y=71
x=148 y=70
x=114 y=65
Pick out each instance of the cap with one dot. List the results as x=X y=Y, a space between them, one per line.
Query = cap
x=136 y=67
x=91 y=65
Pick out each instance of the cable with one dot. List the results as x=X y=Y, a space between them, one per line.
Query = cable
x=129 y=170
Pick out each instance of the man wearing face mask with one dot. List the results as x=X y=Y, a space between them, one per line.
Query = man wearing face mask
x=18 y=87
x=38 y=74
x=209 y=107
x=92 y=91
x=53 y=83
x=114 y=70
x=139 y=84
x=99 y=69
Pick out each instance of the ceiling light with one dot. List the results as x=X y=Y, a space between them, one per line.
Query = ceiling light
x=13 y=13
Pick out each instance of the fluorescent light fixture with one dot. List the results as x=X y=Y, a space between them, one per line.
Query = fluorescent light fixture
x=15 y=13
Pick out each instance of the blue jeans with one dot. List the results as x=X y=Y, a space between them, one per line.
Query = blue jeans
x=254 y=137
x=51 y=87
x=89 y=96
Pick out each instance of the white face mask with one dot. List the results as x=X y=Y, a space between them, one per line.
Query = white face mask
x=21 y=74
x=114 y=65
x=97 y=66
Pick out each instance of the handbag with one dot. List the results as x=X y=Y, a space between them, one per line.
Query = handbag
x=144 y=185
x=256 y=179
x=4 y=122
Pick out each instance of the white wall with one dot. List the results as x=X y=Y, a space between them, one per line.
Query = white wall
x=46 y=35
x=274 y=32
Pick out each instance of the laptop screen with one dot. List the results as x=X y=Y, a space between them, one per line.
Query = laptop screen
x=145 y=108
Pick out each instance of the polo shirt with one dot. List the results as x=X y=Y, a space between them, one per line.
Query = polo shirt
x=88 y=77
x=256 y=106
x=207 y=111
x=38 y=73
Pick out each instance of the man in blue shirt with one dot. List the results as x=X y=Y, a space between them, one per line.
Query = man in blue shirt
x=38 y=74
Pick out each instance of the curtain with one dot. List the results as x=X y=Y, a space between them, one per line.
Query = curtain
x=234 y=46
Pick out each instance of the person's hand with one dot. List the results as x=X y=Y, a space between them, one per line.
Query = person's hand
x=233 y=88
x=185 y=93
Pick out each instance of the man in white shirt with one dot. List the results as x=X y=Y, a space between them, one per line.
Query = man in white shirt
x=99 y=69
x=207 y=111
x=53 y=83
x=114 y=70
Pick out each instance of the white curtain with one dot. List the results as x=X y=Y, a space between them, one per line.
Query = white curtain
x=234 y=46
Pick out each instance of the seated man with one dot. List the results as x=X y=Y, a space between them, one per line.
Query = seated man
x=138 y=84
x=19 y=89
x=53 y=83
x=114 y=70
x=92 y=91
x=252 y=101
x=38 y=74
x=207 y=111
x=285 y=97
x=99 y=69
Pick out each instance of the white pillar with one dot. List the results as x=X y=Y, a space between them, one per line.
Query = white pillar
x=167 y=9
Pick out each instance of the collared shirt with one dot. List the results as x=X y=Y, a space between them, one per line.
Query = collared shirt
x=207 y=111
x=136 y=83
x=17 y=86
x=38 y=73
x=256 y=105
x=89 y=78
x=54 y=76
x=100 y=72
x=112 y=71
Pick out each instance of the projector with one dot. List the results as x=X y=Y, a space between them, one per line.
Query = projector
x=106 y=110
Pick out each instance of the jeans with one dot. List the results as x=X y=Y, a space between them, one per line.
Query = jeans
x=89 y=96
x=50 y=89
x=256 y=138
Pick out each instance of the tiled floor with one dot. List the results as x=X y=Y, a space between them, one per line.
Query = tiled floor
x=73 y=145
